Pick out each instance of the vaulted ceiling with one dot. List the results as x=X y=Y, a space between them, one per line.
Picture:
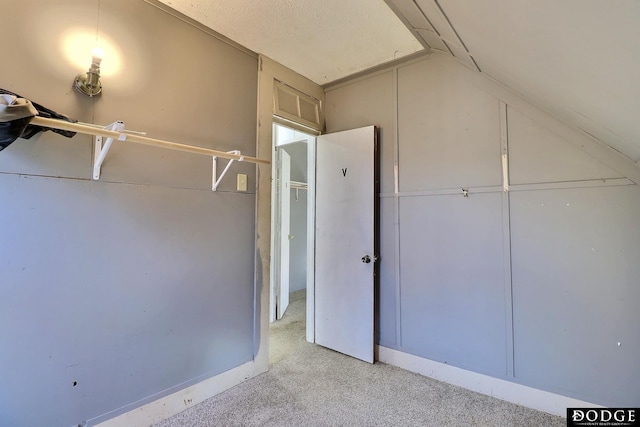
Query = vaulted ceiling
x=577 y=59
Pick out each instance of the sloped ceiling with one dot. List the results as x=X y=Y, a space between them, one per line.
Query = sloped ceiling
x=324 y=40
x=578 y=59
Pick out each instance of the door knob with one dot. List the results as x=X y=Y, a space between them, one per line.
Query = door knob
x=366 y=259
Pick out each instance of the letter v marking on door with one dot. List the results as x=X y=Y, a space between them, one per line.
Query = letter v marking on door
x=344 y=172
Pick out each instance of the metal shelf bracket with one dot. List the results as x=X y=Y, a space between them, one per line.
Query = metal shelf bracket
x=300 y=187
x=100 y=151
x=215 y=180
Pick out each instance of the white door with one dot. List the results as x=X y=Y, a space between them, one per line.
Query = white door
x=346 y=189
x=284 y=180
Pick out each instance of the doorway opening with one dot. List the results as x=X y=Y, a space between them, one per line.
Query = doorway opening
x=292 y=237
x=341 y=189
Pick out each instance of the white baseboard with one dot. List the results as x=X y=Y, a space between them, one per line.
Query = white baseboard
x=177 y=402
x=511 y=392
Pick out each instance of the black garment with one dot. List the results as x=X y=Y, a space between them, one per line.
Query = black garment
x=10 y=131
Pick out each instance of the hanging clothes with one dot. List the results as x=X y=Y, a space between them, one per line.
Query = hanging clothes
x=15 y=114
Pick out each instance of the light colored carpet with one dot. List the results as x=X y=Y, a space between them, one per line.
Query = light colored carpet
x=308 y=385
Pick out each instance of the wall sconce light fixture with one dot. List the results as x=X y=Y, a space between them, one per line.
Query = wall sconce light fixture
x=89 y=83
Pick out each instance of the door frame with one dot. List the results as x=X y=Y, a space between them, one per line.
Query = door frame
x=276 y=207
x=269 y=73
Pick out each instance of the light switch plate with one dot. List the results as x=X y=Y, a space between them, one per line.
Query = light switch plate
x=241 y=182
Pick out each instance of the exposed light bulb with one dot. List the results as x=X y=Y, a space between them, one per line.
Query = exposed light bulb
x=89 y=83
x=97 y=54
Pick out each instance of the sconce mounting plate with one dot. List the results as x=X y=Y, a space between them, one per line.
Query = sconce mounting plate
x=88 y=84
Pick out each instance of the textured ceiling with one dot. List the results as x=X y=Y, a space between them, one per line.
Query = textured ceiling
x=324 y=40
x=578 y=59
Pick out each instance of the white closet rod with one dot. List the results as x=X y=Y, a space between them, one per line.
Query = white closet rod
x=91 y=130
x=298 y=185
